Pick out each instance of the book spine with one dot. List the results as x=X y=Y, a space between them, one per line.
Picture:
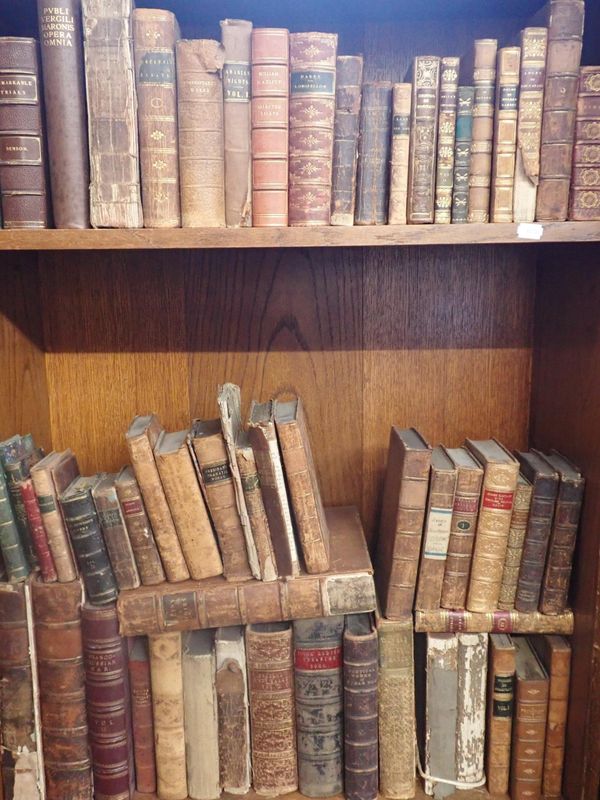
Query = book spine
x=444 y=180
x=256 y=513
x=348 y=80
x=312 y=114
x=534 y=43
x=462 y=153
x=319 y=705
x=480 y=165
x=61 y=42
x=462 y=538
x=584 y=201
x=115 y=200
x=270 y=126
x=556 y=729
x=401 y=106
x=514 y=548
x=58 y=538
x=236 y=35
x=421 y=171
x=470 y=713
x=272 y=709
x=500 y=715
x=493 y=622
x=116 y=538
x=441 y=694
x=16 y=471
x=142 y=722
x=565 y=34
x=154 y=35
x=38 y=532
x=505 y=134
x=140 y=532
x=373 y=175
x=13 y=552
x=529 y=733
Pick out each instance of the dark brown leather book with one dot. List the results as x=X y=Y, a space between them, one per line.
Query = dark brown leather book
x=500 y=706
x=565 y=34
x=115 y=199
x=348 y=83
x=505 y=134
x=462 y=153
x=480 y=165
x=23 y=189
x=516 y=541
x=141 y=716
x=512 y=621
x=37 y=530
x=584 y=201
x=361 y=658
x=61 y=40
x=422 y=159
x=401 y=104
x=449 y=70
x=312 y=116
x=155 y=32
x=373 y=173
x=114 y=531
x=59 y=645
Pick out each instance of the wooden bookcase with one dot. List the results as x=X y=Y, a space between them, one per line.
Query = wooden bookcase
x=461 y=330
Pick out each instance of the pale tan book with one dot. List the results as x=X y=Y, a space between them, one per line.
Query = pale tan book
x=505 y=134
x=516 y=540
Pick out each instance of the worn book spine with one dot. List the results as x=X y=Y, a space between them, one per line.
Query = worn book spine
x=534 y=43
x=505 y=134
x=584 y=199
x=37 y=530
x=462 y=153
x=565 y=34
x=401 y=106
x=422 y=158
x=270 y=126
x=493 y=622
x=444 y=179
x=501 y=687
x=166 y=674
x=13 y=552
x=141 y=716
x=373 y=174
x=472 y=659
x=269 y=653
x=514 y=547
x=24 y=194
x=154 y=35
x=319 y=705
x=348 y=83
x=256 y=512
x=17 y=469
x=61 y=41
x=312 y=116
x=480 y=165
x=115 y=534
x=59 y=645
x=441 y=696
x=115 y=200
x=107 y=702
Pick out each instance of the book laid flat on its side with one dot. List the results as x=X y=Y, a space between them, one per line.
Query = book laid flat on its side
x=423 y=136
x=402 y=517
x=373 y=172
x=493 y=622
x=480 y=166
x=505 y=134
x=501 y=688
x=516 y=541
x=401 y=105
x=584 y=201
x=470 y=709
x=141 y=716
x=462 y=153
x=441 y=698
x=115 y=199
x=61 y=41
x=449 y=70
x=112 y=522
x=39 y=537
x=348 y=91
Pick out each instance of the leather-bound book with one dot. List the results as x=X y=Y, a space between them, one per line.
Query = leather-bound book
x=141 y=716
x=24 y=194
x=61 y=674
x=141 y=438
x=402 y=517
x=423 y=135
x=13 y=552
x=166 y=673
x=200 y=116
x=16 y=457
x=319 y=705
x=373 y=175
x=559 y=563
x=348 y=83
x=462 y=153
x=501 y=688
x=270 y=126
x=269 y=654
x=312 y=116
x=529 y=728
x=516 y=540
x=108 y=704
x=436 y=534
x=449 y=70
x=555 y=654
x=37 y=530
x=505 y=134
x=469 y=478
x=236 y=35
x=263 y=438
x=480 y=165
x=493 y=622
x=401 y=104
x=472 y=658
x=155 y=32
x=584 y=201
x=139 y=530
x=85 y=532
x=565 y=33
x=115 y=533
x=361 y=755
x=396 y=708
x=61 y=40
x=176 y=470
x=200 y=715
x=115 y=199
x=534 y=43
x=501 y=471
x=544 y=480
x=440 y=717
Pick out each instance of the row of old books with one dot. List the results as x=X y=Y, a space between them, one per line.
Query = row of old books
x=268 y=128
x=476 y=528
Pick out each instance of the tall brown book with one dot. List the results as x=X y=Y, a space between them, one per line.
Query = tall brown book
x=373 y=173
x=401 y=105
x=114 y=531
x=480 y=167
x=423 y=134
x=348 y=83
x=500 y=707
x=584 y=200
x=449 y=70
x=141 y=716
x=505 y=134
x=516 y=540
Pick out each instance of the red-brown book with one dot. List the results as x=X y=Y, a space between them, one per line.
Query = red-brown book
x=37 y=531
x=141 y=716
x=584 y=203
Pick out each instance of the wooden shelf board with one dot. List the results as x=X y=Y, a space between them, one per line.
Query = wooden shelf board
x=357 y=236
